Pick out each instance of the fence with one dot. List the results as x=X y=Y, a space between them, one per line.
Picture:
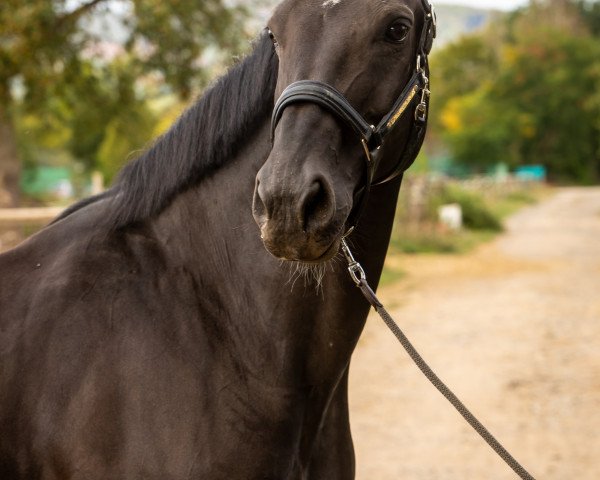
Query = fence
x=16 y=224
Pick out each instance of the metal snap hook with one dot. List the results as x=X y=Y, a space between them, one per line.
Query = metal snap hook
x=421 y=113
x=354 y=268
x=421 y=110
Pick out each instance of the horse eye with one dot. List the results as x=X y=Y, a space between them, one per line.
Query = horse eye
x=397 y=32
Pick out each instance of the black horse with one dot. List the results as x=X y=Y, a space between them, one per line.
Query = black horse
x=148 y=334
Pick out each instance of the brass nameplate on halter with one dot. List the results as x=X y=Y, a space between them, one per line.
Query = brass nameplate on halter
x=403 y=107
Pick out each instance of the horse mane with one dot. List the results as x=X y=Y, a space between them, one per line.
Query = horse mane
x=202 y=140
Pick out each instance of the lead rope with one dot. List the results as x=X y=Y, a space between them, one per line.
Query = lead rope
x=358 y=276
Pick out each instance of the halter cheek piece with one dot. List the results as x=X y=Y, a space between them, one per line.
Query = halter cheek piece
x=373 y=137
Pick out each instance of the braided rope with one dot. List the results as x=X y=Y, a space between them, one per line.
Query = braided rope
x=442 y=388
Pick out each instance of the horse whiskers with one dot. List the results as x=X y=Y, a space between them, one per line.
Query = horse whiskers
x=310 y=273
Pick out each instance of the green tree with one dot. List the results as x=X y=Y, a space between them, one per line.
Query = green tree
x=127 y=129
x=458 y=69
x=541 y=103
x=43 y=48
x=480 y=130
x=590 y=12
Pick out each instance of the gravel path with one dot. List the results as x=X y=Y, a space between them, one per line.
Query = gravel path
x=514 y=329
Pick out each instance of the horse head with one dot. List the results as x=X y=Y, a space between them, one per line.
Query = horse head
x=348 y=72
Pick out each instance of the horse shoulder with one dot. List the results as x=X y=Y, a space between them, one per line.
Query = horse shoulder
x=100 y=345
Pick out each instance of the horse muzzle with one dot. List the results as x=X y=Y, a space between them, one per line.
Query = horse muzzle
x=300 y=220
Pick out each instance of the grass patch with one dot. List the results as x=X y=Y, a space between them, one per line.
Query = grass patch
x=391 y=275
x=477 y=214
x=439 y=242
x=504 y=206
x=484 y=209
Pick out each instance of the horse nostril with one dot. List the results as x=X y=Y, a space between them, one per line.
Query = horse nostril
x=259 y=207
x=316 y=208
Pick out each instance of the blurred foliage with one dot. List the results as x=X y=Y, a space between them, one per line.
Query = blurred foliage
x=174 y=35
x=428 y=241
x=72 y=96
x=524 y=91
x=476 y=213
x=43 y=40
x=458 y=69
x=484 y=205
x=590 y=12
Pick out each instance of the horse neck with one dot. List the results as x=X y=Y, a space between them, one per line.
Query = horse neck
x=284 y=326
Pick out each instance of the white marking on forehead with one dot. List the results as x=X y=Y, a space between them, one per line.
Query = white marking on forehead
x=333 y=3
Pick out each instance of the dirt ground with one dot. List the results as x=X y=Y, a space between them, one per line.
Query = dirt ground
x=514 y=330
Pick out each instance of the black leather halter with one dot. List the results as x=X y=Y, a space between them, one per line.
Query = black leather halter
x=414 y=96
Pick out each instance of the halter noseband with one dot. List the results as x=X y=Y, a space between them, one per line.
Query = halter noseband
x=373 y=137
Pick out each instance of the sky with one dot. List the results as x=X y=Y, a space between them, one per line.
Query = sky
x=497 y=4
